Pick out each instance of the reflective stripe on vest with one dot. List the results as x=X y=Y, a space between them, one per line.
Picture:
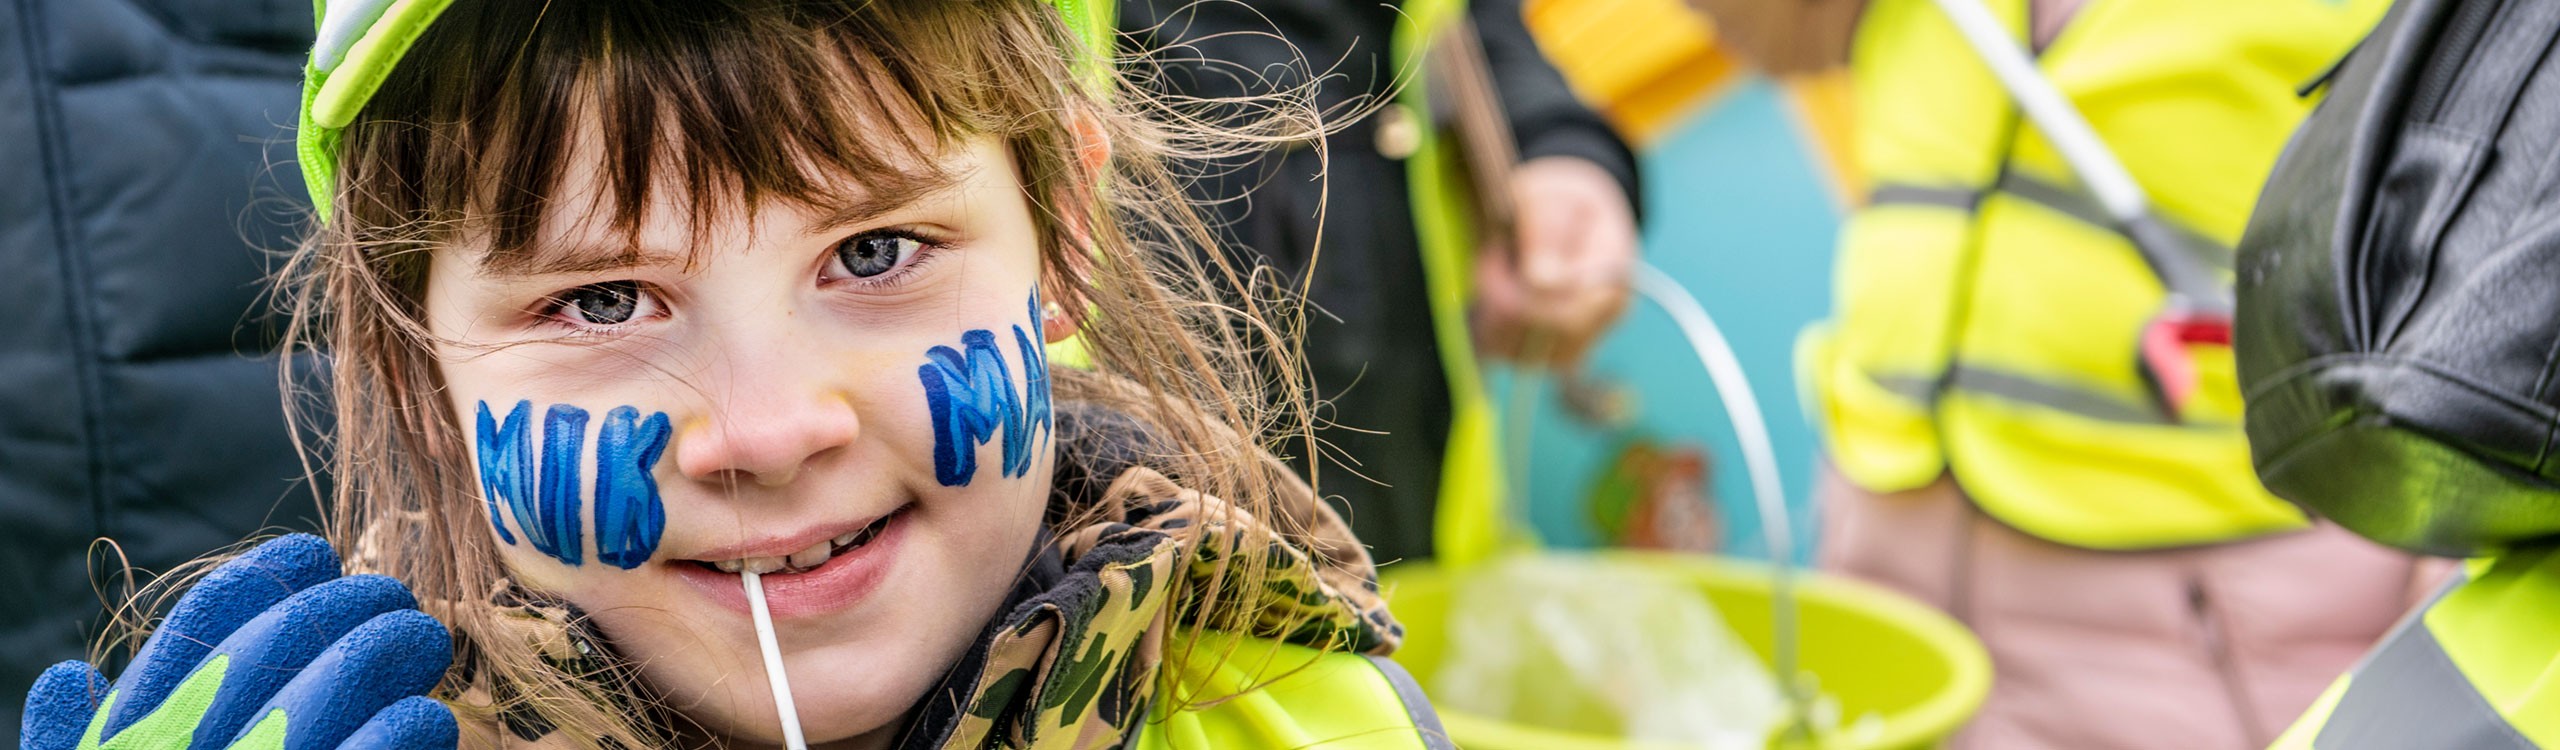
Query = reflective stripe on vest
x=2060 y=397
x=1987 y=313
x=2478 y=669
x=2409 y=695
x=2073 y=202
x=2051 y=394
x=1417 y=706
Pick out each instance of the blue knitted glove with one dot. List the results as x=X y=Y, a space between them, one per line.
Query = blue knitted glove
x=272 y=651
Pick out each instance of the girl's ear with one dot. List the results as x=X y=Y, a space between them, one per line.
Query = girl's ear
x=1092 y=155
x=1093 y=143
x=1055 y=324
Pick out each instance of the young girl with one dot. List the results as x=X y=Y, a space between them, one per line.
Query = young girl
x=624 y=299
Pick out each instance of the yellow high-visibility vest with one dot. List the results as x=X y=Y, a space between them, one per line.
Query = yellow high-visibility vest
x=1469 y=522
x=1264 y=693
x=1988 y=311
x=2479 y=669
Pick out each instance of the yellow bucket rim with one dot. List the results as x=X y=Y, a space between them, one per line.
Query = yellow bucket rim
x=1920 y=725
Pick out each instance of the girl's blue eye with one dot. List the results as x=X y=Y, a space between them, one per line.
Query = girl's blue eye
x=871 y=255
x=605 y=304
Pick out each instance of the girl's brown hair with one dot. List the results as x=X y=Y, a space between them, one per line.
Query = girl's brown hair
x=740 y=104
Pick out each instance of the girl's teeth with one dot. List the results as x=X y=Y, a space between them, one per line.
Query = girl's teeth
x=798 y=562
x=812 y=557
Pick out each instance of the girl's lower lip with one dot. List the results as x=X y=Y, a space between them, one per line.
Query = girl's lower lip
x=837 y=585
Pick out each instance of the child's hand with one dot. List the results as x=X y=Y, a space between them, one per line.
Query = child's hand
x=272 y=651
x=1575 y=252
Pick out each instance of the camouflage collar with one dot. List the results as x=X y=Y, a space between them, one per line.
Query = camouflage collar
x=1075 y=666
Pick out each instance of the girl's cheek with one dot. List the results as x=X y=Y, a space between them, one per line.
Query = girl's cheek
x=547 y=469
x=973 y=397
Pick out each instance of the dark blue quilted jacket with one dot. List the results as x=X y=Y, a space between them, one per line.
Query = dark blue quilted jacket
x=145 y=170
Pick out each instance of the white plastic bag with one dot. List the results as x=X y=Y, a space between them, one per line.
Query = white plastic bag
x=1601 y=647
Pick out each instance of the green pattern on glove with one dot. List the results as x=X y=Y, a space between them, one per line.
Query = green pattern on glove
x=173 y=725
x=267 y=735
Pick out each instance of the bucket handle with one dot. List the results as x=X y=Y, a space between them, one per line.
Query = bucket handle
x=1760 y=460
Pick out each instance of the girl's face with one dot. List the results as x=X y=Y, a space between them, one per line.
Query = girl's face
x=857 y=403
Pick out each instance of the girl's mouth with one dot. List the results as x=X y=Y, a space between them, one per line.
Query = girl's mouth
x=831 y=576
x=808 y=559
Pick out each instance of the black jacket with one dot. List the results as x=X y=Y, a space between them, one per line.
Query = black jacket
x=147 y=152
x=1370 y=346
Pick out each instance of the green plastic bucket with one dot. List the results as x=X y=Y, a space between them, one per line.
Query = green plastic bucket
x=1873 y=650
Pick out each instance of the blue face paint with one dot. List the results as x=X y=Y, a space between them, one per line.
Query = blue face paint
x=1035 y=371
x=972 y=399
x=970 y=393
x=564 y=436
x=548 y=504
x=629 y=516
x=506 y=467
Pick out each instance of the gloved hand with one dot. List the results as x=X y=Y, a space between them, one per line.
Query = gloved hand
x=272 y=651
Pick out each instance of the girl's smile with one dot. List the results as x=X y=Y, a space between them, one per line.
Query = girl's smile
x=833 y=574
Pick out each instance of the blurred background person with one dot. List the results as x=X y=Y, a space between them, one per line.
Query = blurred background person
x=1996 y=446
x=1370 y=341
x=2395 y=410
x=138 y=388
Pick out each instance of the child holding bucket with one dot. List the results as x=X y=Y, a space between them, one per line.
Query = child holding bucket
x=626 y=302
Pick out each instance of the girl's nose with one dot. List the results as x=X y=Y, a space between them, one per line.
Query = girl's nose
x=765 y=440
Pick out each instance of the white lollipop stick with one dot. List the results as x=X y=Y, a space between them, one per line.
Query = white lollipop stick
x=773 y=663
